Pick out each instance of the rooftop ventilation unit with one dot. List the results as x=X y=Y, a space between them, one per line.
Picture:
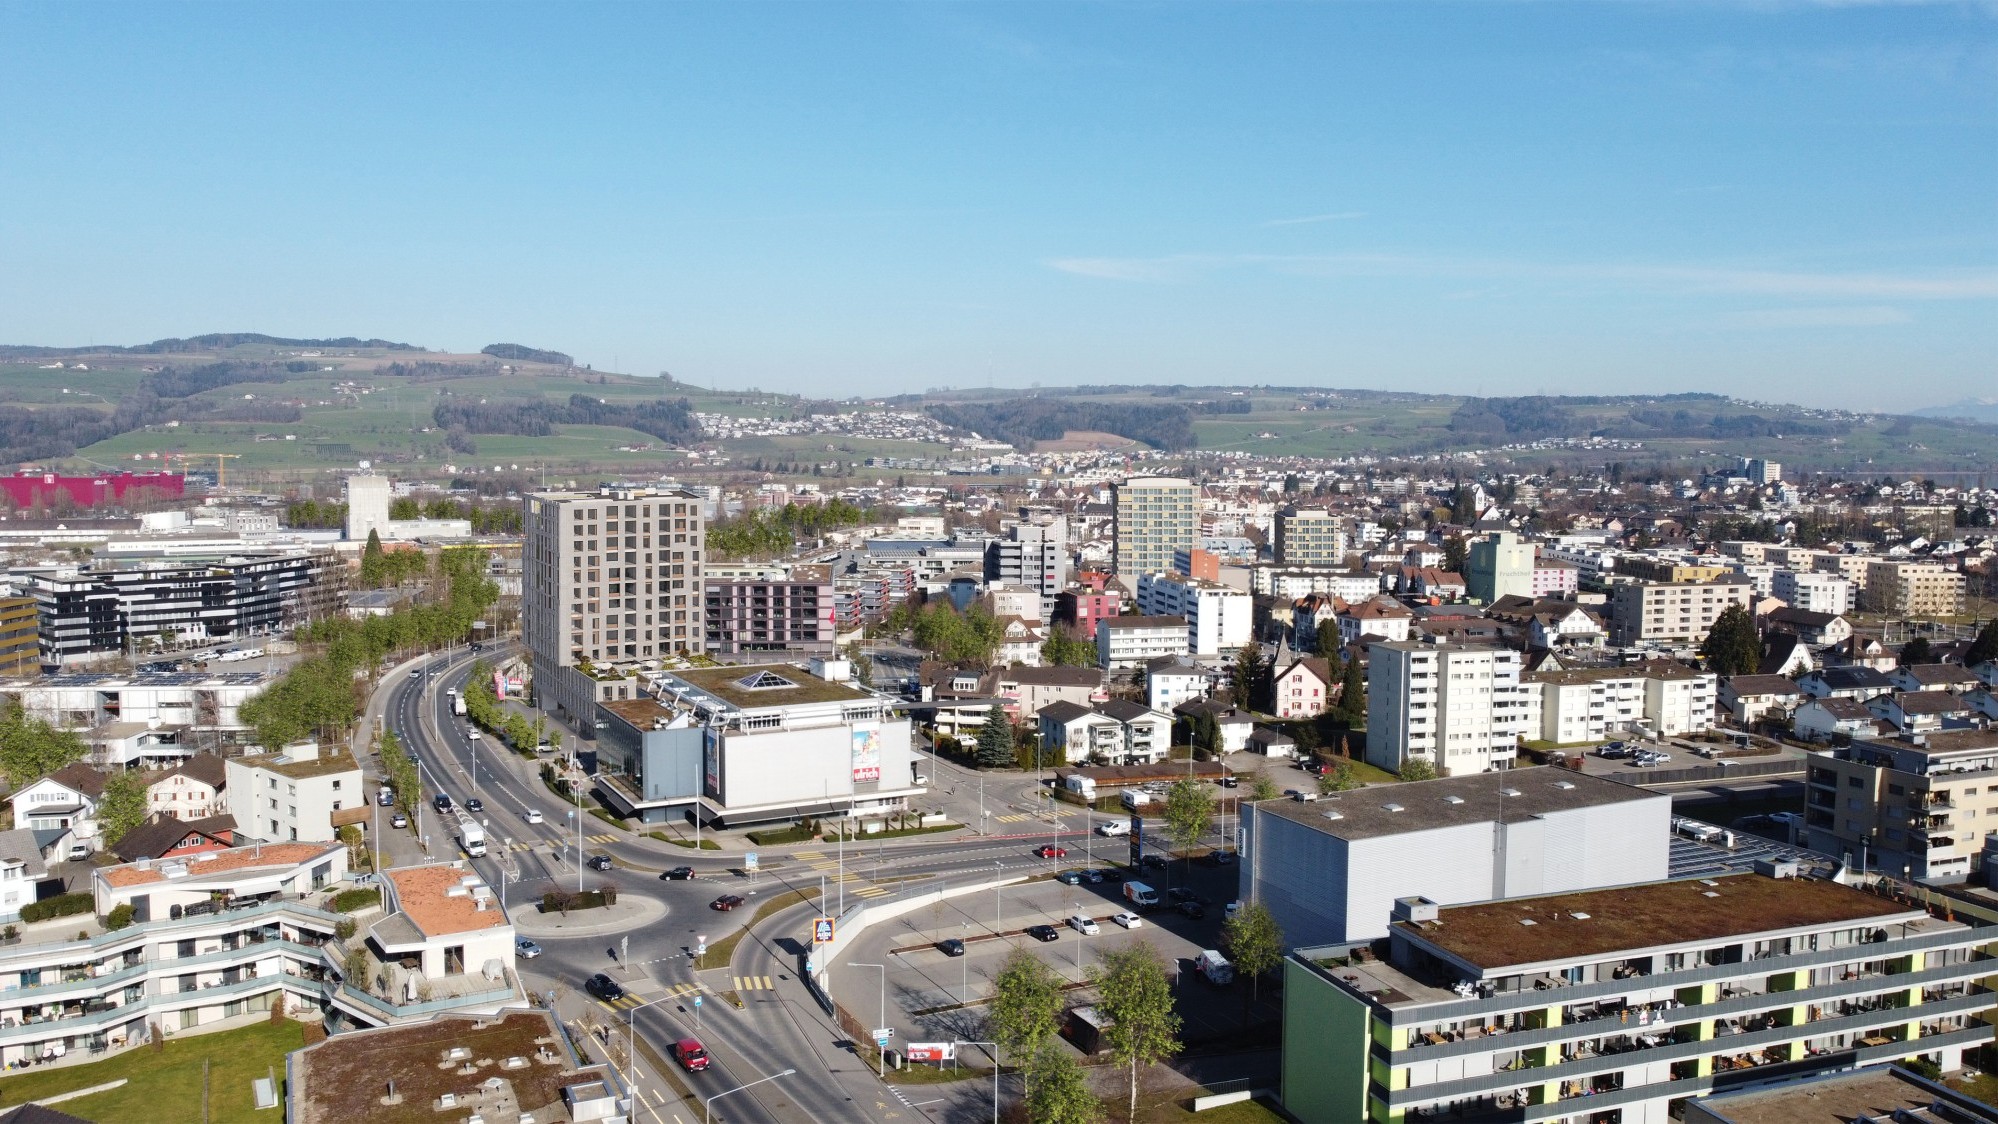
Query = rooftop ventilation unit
x=1564 y=785
x=1331 y=815
x=1578 y=915
x=1508 y=792
x=1453 y=800
x=1528 y=921
x=1391 y=807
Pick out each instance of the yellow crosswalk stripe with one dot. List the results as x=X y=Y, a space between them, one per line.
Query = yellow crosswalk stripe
x=753 y=983
x=871 y=891
x=684 y=989
x=604 y=838
x=808 y=854
x=1015 y=818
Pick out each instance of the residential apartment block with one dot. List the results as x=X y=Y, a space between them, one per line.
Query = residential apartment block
x=1620 y=1004
x=609 y=578
x=1115 y=732
x=1680 y=613
x=20 y=638
x=1132 y=641
x=790 y=615
x=1155 y=515
x=1308 y=537
x=1033 y=555
x=295 y=796
x=1912 y=589
x=1458 y=707
x=1218 y=617
x=1910 y=807
x=1812 y=591
x=1291 y=584
x=1659 y=697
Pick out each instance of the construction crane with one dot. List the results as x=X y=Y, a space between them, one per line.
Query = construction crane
x=221 y=463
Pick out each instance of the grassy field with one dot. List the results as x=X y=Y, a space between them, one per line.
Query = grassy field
x=166 y=1087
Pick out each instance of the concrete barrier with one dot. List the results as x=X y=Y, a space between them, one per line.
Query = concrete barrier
x=860 y=918
x=1216 y=1100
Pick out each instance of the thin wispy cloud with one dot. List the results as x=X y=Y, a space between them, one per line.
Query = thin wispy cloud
x=1837 y=316
x=1336 y=216
x=1938 y=285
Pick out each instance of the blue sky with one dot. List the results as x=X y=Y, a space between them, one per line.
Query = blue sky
x=1792 y=201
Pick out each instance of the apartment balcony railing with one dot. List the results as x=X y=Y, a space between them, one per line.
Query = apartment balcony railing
x=1582 y=1067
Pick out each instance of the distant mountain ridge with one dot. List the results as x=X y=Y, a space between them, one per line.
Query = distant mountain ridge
x=1970 y=409
x=214 y=341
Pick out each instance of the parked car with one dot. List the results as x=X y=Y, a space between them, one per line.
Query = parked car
x=1093 y=877
x=1222 y=858
x=1069 y=878
x=525 y=949
x=474 y=804
x=951 y=946
x=726 y=902
x=1180 y=894
x=679 y=874
x=1085 y=925
x=1050 y=851
x=604 y=988
x=600 y=862
x=1192 y=909
x=1229 y=780
x=1108 y=874
x=1156 y=862
x=78 y=852
x=398 y=820
x=1232 y=909
x=1128 y=920
x=690 y=1054
x=1044 y=933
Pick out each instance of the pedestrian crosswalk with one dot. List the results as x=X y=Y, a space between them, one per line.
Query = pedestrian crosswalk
x=631 y=999
x=623 y=1002
x=1015 y=817
x=678 y=990
x=606 y=837
x=754 y=983
x=870 y=891
x=808 y=856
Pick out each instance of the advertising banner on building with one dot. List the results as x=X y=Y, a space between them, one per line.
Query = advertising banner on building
x=866 y=752
x=712 y=755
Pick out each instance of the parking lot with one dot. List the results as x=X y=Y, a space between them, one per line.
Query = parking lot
x=932 y=996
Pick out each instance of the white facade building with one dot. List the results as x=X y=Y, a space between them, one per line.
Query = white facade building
x=292 y=796
x=1813 y=591
x=1218 y=617
x=1127 y=642
x=1458 y=707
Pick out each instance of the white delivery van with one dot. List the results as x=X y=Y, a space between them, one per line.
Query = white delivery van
x=1214 y=967
x=1114 y=827
x=1140 y=895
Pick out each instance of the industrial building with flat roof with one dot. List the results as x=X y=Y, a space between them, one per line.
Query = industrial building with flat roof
x=1331 y=868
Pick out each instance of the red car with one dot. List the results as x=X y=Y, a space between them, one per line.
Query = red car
x=690 y=1054
x=725 y=903
x=1050 y=851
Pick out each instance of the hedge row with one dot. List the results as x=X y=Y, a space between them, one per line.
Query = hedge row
x=62 y=905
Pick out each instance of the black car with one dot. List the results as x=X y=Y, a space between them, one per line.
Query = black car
x=1180 y=894
x=1229 y=781
x=474 y=804
x=442 y=802
x=604 y=988
x=951 y=947
x=1044 y=933
x=1111 y=874
x=1192 y=909
x=600 y=862
x=1156 y=862
x=678 y=874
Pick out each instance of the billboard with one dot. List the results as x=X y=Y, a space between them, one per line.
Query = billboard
x=866 y=752
x=712 y=754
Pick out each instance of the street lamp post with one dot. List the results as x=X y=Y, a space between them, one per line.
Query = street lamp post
x=884 y=1008
x=994 y=1047
x=998 y=914
x=708 y=1106
x=631 y=1033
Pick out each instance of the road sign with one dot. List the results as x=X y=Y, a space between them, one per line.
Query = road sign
x=822 y=930
x=930 y=1051
x=882 y=1034
x=697 y=1000
x=749 y=862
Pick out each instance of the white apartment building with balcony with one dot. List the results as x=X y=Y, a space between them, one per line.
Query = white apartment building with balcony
x=1459 y=707
x=1813 y=591
x=1584 y=705
x=1133 y=641
x=1620 y=1004
x=1219 y=618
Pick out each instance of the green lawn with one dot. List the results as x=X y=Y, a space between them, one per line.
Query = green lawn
x=165 y=1087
